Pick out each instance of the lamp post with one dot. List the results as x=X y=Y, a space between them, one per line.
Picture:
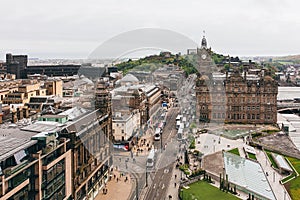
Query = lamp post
x=136 y=188
x=161 y=143
x=146 y=177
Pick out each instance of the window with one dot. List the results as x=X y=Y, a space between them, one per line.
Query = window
x=122 y=130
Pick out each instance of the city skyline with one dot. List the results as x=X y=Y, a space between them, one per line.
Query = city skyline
x=63 y=30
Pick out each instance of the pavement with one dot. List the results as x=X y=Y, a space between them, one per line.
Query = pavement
x=274 y=177
x=172 y=190
x=209 y=143
x=116 y=189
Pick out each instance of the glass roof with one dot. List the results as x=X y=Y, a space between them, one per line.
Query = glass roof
x=247 y=174
x=281 y=162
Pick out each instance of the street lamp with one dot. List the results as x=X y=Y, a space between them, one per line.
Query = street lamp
x=146 y=177
x=161 y=143
x=136 y=188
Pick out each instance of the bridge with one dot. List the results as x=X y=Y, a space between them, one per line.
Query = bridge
x=281 y=107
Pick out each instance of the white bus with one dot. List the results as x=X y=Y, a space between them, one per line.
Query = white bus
x=178 y=124
x=157 y=134
x=178 y=118
x=150 y=159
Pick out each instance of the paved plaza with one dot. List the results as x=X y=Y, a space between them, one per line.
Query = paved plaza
x=117 y=188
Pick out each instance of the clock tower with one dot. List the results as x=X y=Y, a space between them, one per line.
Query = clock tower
x=205 y=62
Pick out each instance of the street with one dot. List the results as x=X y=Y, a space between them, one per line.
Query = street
x=161 y=175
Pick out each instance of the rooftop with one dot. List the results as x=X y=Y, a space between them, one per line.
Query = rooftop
x=247 y=174
x=43 y=126
x=13 y=140
x=281 y=162
x=129 y=78
x=74 y=113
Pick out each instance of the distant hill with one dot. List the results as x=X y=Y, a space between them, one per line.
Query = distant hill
x=293 y=59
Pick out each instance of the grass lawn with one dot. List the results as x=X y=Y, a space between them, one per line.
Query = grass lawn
x=252 y=156
x=271 y=159
x=234 y=151
x=203 y=190
x=293 y=186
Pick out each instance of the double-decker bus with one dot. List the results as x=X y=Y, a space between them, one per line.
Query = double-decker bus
x=151 y=159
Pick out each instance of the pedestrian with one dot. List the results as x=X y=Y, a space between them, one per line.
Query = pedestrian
x=114 y=176
x=126 y=178
x=117 y=179
x=175 y=184
x=175 y=176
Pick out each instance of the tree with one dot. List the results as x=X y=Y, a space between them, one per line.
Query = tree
x=226 y=67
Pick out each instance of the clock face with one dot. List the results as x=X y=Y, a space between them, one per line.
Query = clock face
x=203 y=56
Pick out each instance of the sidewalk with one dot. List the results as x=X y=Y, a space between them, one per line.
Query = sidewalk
x=273 y=176
x=116 y=190
x=144 y=144
x=172 y=190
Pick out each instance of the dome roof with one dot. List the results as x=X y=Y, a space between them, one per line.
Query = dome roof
x=129 y=78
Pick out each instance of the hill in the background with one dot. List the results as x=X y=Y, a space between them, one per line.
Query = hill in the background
x=291 y=59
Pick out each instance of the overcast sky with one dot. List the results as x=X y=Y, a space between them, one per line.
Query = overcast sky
x=65 y=29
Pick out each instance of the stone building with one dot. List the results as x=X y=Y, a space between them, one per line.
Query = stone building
x=17 y=64
x=57 y=157
x=34 y=165
x=237 y=98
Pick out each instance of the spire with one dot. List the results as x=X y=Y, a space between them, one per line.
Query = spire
x=203 y=42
